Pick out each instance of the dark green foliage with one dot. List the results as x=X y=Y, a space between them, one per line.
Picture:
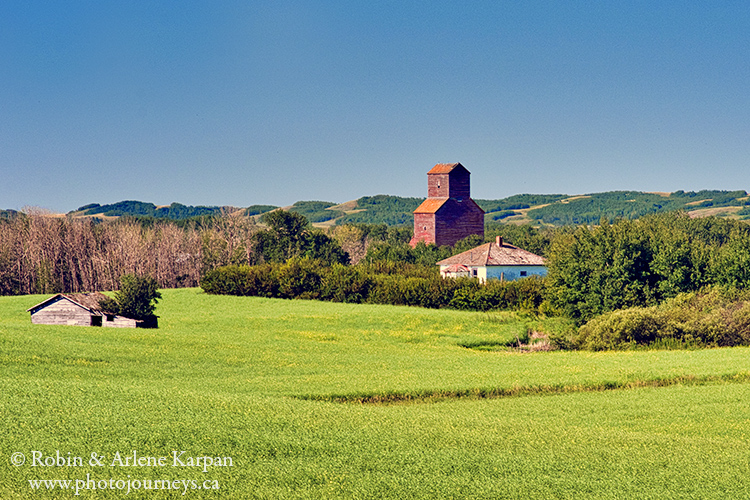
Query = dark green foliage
x=713 y=317
x=590 y=209
x=641 y=263
x=422 y=254
x=342 y=283
x=385 y=233
x=299 y=279
x=383 y=209
x=731 y=263
x=87 y=207
x=471 y=241
x=175 y=211
x=129 y=207
x=259 y=209
x=504 y=214
x=178 y=211
x=532 y=239
x=519 y=201
x=316 y=211
x=136 y=298
x=8 y=214
x=304 y=278
x=319 y=246
x=290 y=235
x=242 y=280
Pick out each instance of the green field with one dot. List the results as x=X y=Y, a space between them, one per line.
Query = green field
x=284 y=388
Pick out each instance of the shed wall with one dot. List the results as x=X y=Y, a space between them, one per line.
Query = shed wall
x=61 y=312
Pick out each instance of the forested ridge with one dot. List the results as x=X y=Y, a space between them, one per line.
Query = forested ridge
x=537 y=209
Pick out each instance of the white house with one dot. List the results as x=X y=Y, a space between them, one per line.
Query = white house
x=496 y=260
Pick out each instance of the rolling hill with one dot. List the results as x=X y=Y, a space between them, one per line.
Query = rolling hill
x=536 y=209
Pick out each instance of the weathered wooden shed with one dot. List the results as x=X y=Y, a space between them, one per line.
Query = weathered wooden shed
x=80 y=309
x=448 y=214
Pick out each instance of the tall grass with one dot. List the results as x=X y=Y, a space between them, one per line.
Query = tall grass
x=227 y=376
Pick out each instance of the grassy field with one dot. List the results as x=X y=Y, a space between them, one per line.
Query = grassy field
x=284 y=389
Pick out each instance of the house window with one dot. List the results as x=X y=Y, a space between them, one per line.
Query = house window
x=110 y=317
x=96 y=321
x=474 y=272
x=523 y=273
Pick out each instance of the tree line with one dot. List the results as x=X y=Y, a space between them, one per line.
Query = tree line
x=594 y=271
x=44 y=254
x=40 y=253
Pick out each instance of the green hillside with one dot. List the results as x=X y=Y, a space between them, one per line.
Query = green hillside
x=537 y=209
x=175 y=211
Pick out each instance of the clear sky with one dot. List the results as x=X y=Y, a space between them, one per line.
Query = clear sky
x=243 y=102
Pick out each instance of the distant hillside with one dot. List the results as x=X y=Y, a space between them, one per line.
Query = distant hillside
x=316 y=211
x=175 y=211
x=6 y=214
x=537 y=209
x=589 y=209
x=382 y=209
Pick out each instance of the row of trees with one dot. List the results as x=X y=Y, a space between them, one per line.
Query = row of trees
x=644 y=262
x=43 y=254
x=305 y=278
x=592 y=270
x=40 y=253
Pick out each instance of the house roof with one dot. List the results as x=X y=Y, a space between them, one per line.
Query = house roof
x=89 y=301
x=445 y=168
x=494 y=254
x=456 y=268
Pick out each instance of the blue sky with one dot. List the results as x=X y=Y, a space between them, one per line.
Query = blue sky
x=271 y=102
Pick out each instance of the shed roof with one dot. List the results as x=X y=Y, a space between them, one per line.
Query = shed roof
x=494 y=254
x=89 y=301
x=445 y=168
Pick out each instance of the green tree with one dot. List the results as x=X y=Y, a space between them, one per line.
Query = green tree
x=136 y=298
x=289 y=235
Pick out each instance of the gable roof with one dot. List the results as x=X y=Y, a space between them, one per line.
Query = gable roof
x=494 y=254
x=445 y=168
x=88 y=301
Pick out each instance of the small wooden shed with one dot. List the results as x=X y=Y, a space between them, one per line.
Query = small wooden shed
x=79 y=309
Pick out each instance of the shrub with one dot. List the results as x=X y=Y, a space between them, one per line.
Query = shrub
x=241 y=280
x=713 y=317
x=306 y=278
x=345 y=284
x=136 y=298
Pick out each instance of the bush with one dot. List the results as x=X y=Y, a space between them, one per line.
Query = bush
x=345 y=284
x=136 y=298
x=305 y=278
x=713 y=317
x=241 y=280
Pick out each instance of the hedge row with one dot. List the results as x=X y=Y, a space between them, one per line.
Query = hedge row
x=311 y=279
